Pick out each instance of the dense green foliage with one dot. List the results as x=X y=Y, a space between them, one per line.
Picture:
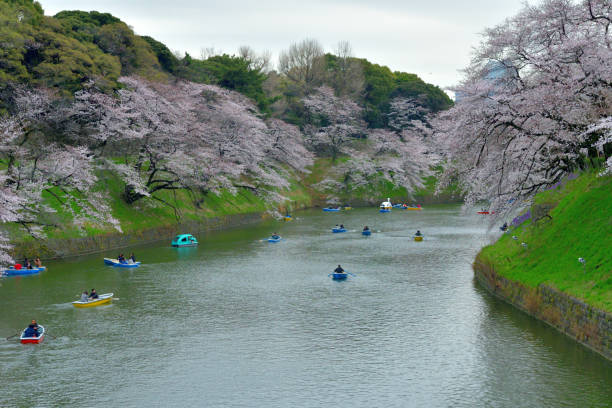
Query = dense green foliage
x=35 y=49
x=381 y=85
x=572 y=222
x=228 y=71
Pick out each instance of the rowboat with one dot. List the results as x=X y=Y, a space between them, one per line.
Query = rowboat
x=288 y=218
x=418 y=238
x=331 y=209
x=347 y=208
x=485 y=212
x=417 y=208
x=35 y=340
x=339 y=276
x=338 y=230
x=101 y=300
x=23 y=271
x=274 y=240
x=184 y=240
x=116 y=263
x=398 y=206
x=366 y=232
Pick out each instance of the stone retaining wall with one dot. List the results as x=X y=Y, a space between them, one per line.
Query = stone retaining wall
x=584 y=323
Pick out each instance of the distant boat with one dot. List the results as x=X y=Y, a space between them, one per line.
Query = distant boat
x=288 y=218
x=337 y=230
x=274 y=240
x=367 y=233
x=184 y=240
x=418 y=238
x=386 y=206
x=101 y=300
x=34 y=340
x=347 y=207
x=485 y=212
x=417 y=208
x=116 y=263
x=23 y=271
x=339 y=276
x=327 y=209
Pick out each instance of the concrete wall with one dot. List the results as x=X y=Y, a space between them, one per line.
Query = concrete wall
x=586 y=324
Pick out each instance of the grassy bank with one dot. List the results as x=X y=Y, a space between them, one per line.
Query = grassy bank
x=166 y=209
x=569 y=222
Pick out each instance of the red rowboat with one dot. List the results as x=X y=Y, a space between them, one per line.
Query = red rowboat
x=36 y=340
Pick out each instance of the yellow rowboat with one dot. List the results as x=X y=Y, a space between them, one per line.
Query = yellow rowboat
x=413 y=208
x=101 y=300
x=347 y=208
x=418 y=238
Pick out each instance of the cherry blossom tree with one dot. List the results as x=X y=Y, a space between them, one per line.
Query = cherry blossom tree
x=332 y=122
x=38 y=160
x=536 y=84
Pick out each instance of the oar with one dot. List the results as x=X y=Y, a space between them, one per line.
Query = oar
x=14 y=335
x=352 y=274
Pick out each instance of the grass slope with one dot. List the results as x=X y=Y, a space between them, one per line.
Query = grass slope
x=581 y=226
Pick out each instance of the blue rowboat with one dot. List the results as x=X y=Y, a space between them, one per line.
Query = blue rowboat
x=398 y=205
x=367 y=233
x=332 y=209
x=117 y=264
x=339 y=276
x=384 y=210
x=274 y=240
x=338 y=230
x=23 y=271
x=184 y=240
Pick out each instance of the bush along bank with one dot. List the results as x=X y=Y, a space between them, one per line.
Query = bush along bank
x=554 y=264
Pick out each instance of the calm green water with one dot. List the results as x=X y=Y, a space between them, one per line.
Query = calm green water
x=242 y=323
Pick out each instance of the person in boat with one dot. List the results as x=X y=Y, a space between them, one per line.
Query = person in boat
x=93 y=294
x=132 y=258
x=121 y=259
x=38 y=262
x=504 y=227
x=418 y=234
x=84 y=296
x=275 y=236
x=341 y=226
x=31 y=330
x=339 y=269
x=27 y=264
x=366 y=228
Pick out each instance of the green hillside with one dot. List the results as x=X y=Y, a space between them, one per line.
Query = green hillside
x=566 y=223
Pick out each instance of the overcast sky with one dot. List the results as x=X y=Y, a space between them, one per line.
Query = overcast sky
x=431 y=38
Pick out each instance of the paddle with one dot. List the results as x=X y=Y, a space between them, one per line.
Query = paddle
x=14 y=335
